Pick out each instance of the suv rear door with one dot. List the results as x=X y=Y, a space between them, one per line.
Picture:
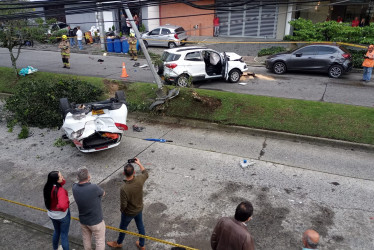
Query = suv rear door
x=195 y=64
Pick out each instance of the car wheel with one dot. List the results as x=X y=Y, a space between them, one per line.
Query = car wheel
x=159 y=67
x=335 y=71
x=145 y=44
x=64 y=106
x=120 y=96
x=234 y=75
x=183 y=80
x=279 y=68
x=172 y=45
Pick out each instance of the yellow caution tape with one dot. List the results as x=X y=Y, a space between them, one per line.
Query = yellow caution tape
x=109 y=227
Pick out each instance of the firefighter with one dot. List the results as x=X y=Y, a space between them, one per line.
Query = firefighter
x=65 y=51
x=132 y=42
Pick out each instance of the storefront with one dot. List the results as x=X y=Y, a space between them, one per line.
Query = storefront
x=331 y=10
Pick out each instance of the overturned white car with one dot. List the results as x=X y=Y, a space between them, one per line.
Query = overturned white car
x=95 y=126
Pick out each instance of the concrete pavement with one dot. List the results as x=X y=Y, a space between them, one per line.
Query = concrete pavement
x=197 y=179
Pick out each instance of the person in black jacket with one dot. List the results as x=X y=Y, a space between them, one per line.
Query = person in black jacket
x=71 y=35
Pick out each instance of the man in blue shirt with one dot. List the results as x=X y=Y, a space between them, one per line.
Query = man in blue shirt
x=310 y=239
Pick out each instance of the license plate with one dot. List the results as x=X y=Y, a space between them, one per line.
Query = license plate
x=97 y=112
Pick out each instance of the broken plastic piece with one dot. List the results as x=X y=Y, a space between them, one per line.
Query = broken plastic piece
x=137 y=129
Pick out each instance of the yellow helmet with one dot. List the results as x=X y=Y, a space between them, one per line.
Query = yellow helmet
x=132 y=34
x=64 y=37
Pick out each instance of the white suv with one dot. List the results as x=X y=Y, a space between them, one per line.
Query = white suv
x=200 y=63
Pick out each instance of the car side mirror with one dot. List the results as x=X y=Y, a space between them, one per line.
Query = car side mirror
x=298 y=54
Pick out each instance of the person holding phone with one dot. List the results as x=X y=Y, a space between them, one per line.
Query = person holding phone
x=56 y=200
x=131 y=196
x=368 y=63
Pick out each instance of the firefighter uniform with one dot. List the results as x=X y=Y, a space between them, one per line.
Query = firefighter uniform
x=132 y=42
x=65 y=51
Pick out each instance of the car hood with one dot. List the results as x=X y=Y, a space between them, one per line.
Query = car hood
x=233 y=56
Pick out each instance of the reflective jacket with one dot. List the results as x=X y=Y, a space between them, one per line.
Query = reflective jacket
x=369 y=61
x=65 y=47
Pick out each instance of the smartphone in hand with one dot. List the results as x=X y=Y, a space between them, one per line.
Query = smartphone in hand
x=131 y=160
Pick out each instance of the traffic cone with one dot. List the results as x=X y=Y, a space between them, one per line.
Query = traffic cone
x=124 y=72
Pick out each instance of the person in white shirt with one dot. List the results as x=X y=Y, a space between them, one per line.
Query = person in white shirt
x=79 y=38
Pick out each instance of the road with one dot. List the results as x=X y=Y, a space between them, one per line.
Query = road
x=196 y=179
x=316 y=87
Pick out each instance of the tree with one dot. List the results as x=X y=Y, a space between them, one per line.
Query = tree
x=15 y=32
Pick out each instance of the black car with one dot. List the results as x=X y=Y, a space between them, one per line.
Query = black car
x=333 y=59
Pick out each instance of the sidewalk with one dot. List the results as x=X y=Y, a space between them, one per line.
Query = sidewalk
x=17 y=233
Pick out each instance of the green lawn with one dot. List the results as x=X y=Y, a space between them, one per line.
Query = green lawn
x=336 y=121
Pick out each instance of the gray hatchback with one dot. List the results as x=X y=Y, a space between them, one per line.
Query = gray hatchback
x=166 y=36
x=333 y=59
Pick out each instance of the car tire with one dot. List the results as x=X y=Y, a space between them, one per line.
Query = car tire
x=159 y=67
x=171 y=45
x=120 y=96
x=279 y=68
x=234 y=75
x=145 y=44
x=183 y=80
x=64 y=106
x=335 y=71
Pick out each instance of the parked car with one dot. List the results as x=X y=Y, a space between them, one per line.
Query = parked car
x=56 y=27
x=167 y=36
x=95 y=126
x=179 y=65
x=332 y=59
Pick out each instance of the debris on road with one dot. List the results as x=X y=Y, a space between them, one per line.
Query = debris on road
x=137 y=129
x=143 y=66
x=157 y=140
x=28 y=70
x=100 y=60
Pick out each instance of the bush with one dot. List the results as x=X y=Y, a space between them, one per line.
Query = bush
x=36 y=103
x=357 y=57
x=306 y=30
x=24 y=132
x=271 y=51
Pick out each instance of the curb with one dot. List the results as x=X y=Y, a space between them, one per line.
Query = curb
x=37 y=227
x=251 y=131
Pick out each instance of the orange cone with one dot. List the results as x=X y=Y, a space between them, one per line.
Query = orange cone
x=124 y=72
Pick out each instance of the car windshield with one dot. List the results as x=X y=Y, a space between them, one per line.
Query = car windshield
x=169 y=57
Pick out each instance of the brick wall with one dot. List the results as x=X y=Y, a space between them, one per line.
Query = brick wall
x=204 y=22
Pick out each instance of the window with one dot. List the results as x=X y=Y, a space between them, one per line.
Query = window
x=193 y=56
x=306 y=51
x=155 y=32
x=169 y=57
x=325 y=50
x=165 y=32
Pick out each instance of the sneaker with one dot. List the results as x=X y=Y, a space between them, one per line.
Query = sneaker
x=64 y=66
x=139 y=247
x=132 y=59
x=114 y=244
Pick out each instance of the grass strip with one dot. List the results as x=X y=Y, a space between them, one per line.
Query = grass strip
x=320 y=119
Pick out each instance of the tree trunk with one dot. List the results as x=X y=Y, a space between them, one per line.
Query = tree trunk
x=14 y=59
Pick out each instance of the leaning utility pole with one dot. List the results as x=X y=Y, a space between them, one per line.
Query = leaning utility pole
x=145 y=51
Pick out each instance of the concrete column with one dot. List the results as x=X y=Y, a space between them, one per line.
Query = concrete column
x=287 y=29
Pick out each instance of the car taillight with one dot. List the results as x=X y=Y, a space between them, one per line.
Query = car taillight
x=121 y=126
x=176 y=36
x=346 y=55
x=171 y=65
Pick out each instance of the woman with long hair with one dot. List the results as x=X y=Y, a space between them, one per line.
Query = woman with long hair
x=56 y=200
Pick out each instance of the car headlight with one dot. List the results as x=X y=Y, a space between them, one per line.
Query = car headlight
x=77 y=134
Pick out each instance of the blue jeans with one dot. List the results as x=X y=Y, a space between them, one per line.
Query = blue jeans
x=125 y=221
x=80 y=44
x=72 y=42
x=61 y=228
x=367 y=74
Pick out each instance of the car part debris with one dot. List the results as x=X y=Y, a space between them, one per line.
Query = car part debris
x=158 y=140
x=137 y=129
x=161 y=100
x=100 y=60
